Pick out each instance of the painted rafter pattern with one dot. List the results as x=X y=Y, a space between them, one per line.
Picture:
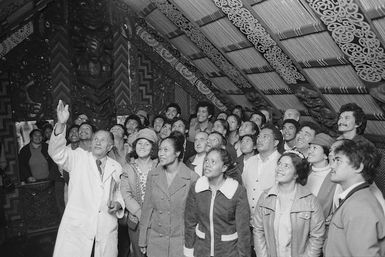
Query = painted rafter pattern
x=16 y=38
x=346 y=23
x=193 y=32
x=244 y=20
x=149 y=39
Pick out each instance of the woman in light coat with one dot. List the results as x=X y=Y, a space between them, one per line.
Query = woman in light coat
x=162 y=220
x=134 y=177
x=217 y=212
x=289 y=221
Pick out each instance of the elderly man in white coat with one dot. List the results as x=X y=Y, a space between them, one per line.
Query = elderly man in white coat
x=94 y=203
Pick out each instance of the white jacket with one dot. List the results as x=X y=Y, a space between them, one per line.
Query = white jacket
x=86 y=215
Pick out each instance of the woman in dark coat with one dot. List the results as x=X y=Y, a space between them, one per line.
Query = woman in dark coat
x=217 y=214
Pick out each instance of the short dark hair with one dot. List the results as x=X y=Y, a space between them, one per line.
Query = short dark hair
x=179 y=119
x=177 y=140
x=301 y=165
x=240 y=107
x=120 y=125
x=136 y=118
x=93 y=128
x=226 y=159
x=263 y=117
x=361 y=153
x=358 y=113
x=254 y=126
x=70 y=128
x=236 y=117
x=253 y=138
x=277 y=135
x=33 y=132
x=176 y=106
x=210 y=107
x=225 y=124
x=311 y=125
x=326 y=150
x=292 y=121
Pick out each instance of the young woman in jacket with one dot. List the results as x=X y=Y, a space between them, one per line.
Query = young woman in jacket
x=289 y=221
x=133 y=181
x=217 y=212
x=162 y=220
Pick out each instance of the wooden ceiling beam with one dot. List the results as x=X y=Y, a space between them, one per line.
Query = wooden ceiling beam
x=216 y=55
x=364 y=48
x=210 y=18
x=376 y=13
x=246 y=20
x=171 y=60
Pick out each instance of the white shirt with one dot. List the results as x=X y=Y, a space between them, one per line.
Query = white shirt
x=316 y=178
x=259 y=175
x=198 y=162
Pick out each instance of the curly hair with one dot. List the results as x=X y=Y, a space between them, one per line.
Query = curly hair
x=358 y=113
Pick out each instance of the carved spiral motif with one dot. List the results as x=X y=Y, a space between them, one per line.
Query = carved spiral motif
x=201 y=41
x=243 y=19
x=354 y=36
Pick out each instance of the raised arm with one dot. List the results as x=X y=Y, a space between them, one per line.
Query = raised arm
x=62 y=117
x=57 y=146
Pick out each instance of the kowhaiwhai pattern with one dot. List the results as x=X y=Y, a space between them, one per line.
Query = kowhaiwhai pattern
x=182 y=69
x=193 y=32
x=354 y=36
x=244 y=20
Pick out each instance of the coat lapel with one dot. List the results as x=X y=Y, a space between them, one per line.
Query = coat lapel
x=160 y=179
x=181 y=179
x=109 y=169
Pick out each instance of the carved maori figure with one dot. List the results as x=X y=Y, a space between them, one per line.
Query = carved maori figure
x=92 y=43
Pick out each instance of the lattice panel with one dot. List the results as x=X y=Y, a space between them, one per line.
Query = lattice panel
x=146 y=77
x=8 y=137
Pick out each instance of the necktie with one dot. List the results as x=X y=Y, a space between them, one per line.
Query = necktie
x=99 y=164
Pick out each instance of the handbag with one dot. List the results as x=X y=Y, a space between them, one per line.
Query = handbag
x=129 y=220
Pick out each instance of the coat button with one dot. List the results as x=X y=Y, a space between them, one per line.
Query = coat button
x=162 y=198
x=160 y=212
x=159 y=224
x=160 y=235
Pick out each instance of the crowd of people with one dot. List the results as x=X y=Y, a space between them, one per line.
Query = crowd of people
x=234 y=184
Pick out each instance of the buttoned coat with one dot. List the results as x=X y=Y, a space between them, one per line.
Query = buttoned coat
x=227 y=219
x=357 y=228
x=307 y=223
x=162 y=221
x=86 y=216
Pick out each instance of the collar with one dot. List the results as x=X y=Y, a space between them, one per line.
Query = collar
x=228 y=188
x=327 y=168
x=347 y=191
x=272 y=155
x=300 y=191
x=198 y=159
